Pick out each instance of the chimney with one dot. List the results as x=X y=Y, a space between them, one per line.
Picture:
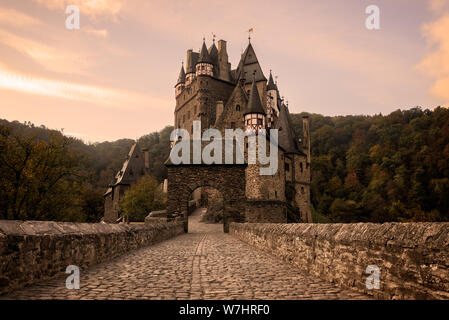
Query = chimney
x=224 y=66
x=218 y=110
x=306 y=137
x=221 y=46
x=146 y=154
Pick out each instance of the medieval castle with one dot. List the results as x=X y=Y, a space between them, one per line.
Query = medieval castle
x=210 y=91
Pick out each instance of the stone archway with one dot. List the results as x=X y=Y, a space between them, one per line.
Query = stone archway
x=229 y=180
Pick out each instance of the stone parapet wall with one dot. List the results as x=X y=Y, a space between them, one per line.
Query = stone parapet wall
x=35 y=250
x=413 y=258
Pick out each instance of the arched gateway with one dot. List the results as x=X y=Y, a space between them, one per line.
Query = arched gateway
x=229 y=180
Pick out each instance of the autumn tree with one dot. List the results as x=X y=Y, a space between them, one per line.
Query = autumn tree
x=142 y=198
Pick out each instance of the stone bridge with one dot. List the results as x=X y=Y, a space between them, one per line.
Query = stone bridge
x=253 y=261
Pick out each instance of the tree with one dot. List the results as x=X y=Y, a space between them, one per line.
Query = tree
x=36 y=175
x=142 y=198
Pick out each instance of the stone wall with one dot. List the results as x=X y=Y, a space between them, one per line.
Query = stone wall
x=413 y=258
x=36 y=250
x=264 y=211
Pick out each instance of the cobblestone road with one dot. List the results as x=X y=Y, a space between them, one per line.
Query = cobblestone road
x=203 y=264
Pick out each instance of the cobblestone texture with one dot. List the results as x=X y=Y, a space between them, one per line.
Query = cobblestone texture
x=203 y=264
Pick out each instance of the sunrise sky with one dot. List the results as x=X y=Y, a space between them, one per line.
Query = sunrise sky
x=114 y=77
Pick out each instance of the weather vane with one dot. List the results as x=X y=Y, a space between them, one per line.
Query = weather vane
x=249 y=34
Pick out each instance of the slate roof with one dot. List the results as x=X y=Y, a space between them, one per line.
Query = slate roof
x=125 y=176
x=288 y=139
x=249 y=64
x=271 y=85
x=213 y=53
x=254 y=104
x=204 y=55
x=182 y=76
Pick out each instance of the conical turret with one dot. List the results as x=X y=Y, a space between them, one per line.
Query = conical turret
x=180 y=84
x=254 y=113
x=254 y=104
x=204 y=66
x=182 y=76
x=271 y=85
x=204 y=54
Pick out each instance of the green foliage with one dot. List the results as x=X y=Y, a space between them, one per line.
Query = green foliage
x=142 y=198
x=364 y=168
x=380 y=168
x=158 y=145
x=40 y=176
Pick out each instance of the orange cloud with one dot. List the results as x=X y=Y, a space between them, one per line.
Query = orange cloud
x=12 y=17
x=102 y=33
x=438 y=5
x=436 y=63
x=51 y=58
x=90 y=7
x=121 y=99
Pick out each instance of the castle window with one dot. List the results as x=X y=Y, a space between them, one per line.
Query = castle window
x=276 y=194
x=287 y=167
x=259 y=122
x=302 y=190
x=237 y=108
x=183 y=118
x=232 y=125
x=188 y=114
x=194 y=109
x=300 y=167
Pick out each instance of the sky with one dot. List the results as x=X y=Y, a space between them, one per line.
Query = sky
x=114 y=77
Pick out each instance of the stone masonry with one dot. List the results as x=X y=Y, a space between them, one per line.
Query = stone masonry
x=34 y=250
x=413 y=258
x=203 y=264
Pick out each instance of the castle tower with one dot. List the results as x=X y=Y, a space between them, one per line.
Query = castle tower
x=224 y=67
x=221 y=98
x=180 y=84
x=272 y=101
x=255 y=114
x=204 y=66
x=191 y=60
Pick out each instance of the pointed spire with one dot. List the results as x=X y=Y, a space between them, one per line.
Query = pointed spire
x=271 y=85
x=204 y=54
x=182 y=75
x=254 y=104
x=213 y=53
